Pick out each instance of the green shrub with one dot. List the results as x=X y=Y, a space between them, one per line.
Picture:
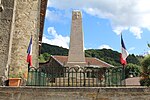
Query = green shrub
x=145 y=81
x=132 y=69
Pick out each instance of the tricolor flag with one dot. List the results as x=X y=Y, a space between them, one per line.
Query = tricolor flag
x=29 y=51
x=124 y=53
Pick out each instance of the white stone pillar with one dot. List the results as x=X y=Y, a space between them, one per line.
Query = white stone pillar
x=76 y=50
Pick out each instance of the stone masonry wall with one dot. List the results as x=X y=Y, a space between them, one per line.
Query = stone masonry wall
x=6 y=21
x=26 y=24
x=67 y=93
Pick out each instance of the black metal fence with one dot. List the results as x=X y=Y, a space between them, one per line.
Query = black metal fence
x=76 y=77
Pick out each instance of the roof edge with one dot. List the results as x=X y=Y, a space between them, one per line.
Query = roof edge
x=104 y=62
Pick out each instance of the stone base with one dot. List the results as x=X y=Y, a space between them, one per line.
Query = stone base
x=72 y=81
x=74 y=93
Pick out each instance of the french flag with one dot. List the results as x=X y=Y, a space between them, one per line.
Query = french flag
x=29 y=51
x=124 y=53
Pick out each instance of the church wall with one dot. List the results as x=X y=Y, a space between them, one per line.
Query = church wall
x=18 y=21
x=6 y=34
x=26 y=24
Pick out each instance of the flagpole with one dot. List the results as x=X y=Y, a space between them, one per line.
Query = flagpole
x=124 y=82
x=123 y=57
x=28 y=67
x=29 y=51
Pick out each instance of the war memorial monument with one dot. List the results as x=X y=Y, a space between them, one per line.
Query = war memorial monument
x=19 y=19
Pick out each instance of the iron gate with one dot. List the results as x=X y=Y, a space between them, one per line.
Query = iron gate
x=76 y=77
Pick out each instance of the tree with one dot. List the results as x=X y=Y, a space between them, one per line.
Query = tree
x=145 y=71
x=132 y=69
x=146 y=64
x=133 y=59
x=44 y=57
x=107 y=55
x=148 y=45
x=41 y=58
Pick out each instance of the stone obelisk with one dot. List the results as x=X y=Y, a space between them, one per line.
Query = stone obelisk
x=76 y=50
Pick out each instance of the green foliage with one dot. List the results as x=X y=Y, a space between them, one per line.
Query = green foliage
x=44 y=57
x=146 y=71
x=110 y=56
x=16 y=75
x=148 y=45
x=140 y=58
x=41 y=58
x=53 y=50
x=146 y=64
x=132 y=69
x=107 y=55
x=133 y=59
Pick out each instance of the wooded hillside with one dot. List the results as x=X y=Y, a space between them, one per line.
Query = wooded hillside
x=107 y=55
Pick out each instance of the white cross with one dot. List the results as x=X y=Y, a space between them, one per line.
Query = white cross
x=77 y=15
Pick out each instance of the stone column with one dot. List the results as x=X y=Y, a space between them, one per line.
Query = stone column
x=76 y=50
x=26 y=24
x=6 y=33
x=19 y=19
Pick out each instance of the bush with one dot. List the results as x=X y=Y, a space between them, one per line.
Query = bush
x=132 y=69
x=145 y=81
x=44 y=57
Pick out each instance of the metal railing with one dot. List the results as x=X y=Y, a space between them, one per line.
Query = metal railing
x=76 y=77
